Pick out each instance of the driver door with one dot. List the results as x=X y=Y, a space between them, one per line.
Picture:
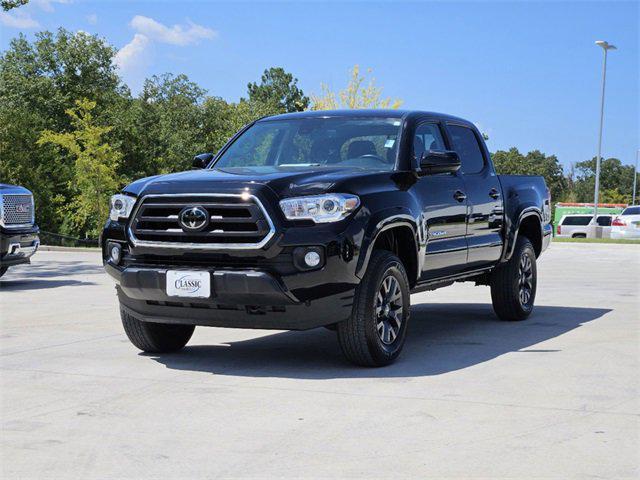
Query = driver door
x=444 y=210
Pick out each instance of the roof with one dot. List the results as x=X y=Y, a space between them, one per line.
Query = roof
x=363 y=113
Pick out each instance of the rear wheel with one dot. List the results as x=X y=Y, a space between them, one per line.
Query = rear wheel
x=155 y=337
x=513 y=285
x=375 y=333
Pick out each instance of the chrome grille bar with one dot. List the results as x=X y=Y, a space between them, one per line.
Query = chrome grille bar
x=236 y=221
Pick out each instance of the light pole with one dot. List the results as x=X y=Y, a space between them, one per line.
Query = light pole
x=635 y=177
x=606 y=47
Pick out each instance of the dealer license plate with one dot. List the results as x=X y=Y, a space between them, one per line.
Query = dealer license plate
x=186 y=283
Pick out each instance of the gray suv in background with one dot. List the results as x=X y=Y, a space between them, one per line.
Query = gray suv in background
x=18 y=230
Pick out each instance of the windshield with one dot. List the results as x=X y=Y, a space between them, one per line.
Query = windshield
x=312 y=143
x=631 y=211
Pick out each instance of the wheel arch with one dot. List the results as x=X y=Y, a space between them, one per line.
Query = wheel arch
x=529 y=224
x=393 y=233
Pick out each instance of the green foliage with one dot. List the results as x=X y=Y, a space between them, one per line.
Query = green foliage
x=512 y=162
x=93 y=177
x=279 y=90
x=10 y=4
x=357 y=94
x=39 y=81
x=162 y=126
x=616 y=181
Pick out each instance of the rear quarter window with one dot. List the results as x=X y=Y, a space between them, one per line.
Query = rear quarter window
x=582 y=220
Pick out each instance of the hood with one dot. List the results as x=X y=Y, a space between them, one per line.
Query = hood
x=13 y=189
x=283 y=182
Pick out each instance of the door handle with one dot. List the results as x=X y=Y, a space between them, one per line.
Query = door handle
x=494 y=193
x=459 y=196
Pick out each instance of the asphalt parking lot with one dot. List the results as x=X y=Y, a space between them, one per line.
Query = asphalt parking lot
x=555 y=396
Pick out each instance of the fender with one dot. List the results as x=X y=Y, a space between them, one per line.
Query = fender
x=380 y=222
x=511 y=230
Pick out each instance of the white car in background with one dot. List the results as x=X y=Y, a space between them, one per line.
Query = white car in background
x=581 y=225
x=627 y=224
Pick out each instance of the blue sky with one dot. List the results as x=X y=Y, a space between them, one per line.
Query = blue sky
x=528 y=73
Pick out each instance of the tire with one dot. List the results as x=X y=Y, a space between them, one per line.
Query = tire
x=3 y=270
x=580 y=235
x=155 y=337
x=372 y=337
x=513 y=284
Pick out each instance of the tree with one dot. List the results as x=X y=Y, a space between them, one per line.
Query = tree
x=512 y=162
x=161 y=129
x=357 y=94
x=93 y=178
x=39 y=81
x=10 y=4
x=278 y=89
x=616 y=181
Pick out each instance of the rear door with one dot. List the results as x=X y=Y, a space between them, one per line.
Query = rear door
x=444 y=209
x=484 y=197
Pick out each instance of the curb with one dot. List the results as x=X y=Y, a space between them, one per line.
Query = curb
x=55 y=248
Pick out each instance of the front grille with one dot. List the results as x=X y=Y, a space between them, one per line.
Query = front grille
x=17 y=210
x=235 y=221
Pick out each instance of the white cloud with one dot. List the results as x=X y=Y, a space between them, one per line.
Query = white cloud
x=18 y=19
x=181 y=35
x=47 y=5
x=22 y=17
x=92 y=19
x=133 y=54
x=133 y=59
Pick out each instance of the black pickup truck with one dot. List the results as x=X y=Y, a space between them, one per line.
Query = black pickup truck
x=324 y=219
x=18 y=230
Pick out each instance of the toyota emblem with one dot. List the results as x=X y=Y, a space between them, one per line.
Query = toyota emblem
x=193 y=219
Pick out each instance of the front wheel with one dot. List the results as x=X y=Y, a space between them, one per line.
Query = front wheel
x=155 y=337
x=375 y=333
x=513 y=285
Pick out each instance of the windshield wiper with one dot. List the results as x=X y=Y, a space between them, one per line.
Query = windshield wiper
x=299 y=165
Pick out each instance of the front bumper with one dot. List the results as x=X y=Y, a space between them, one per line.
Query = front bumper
x=239 y=299
x=263 y=287
x=17 y=247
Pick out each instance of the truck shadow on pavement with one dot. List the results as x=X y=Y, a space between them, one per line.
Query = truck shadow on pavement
x=441 y=338
x=36 y=276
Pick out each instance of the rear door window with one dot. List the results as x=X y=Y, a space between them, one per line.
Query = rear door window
x=577 y=220
x=468 y=148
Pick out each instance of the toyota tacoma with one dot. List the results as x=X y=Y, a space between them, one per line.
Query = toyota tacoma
x=328 y=219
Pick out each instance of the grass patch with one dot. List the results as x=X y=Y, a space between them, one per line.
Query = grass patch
x=595 y=240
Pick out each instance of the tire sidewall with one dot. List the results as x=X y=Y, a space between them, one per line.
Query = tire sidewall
x=382 y=352
x=526 y=249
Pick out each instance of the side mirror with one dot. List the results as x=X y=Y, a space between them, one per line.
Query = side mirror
x=202 y=160
x=433 y=162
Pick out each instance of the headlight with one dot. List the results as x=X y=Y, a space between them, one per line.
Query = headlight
x=320 y=208
x=121 y=206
